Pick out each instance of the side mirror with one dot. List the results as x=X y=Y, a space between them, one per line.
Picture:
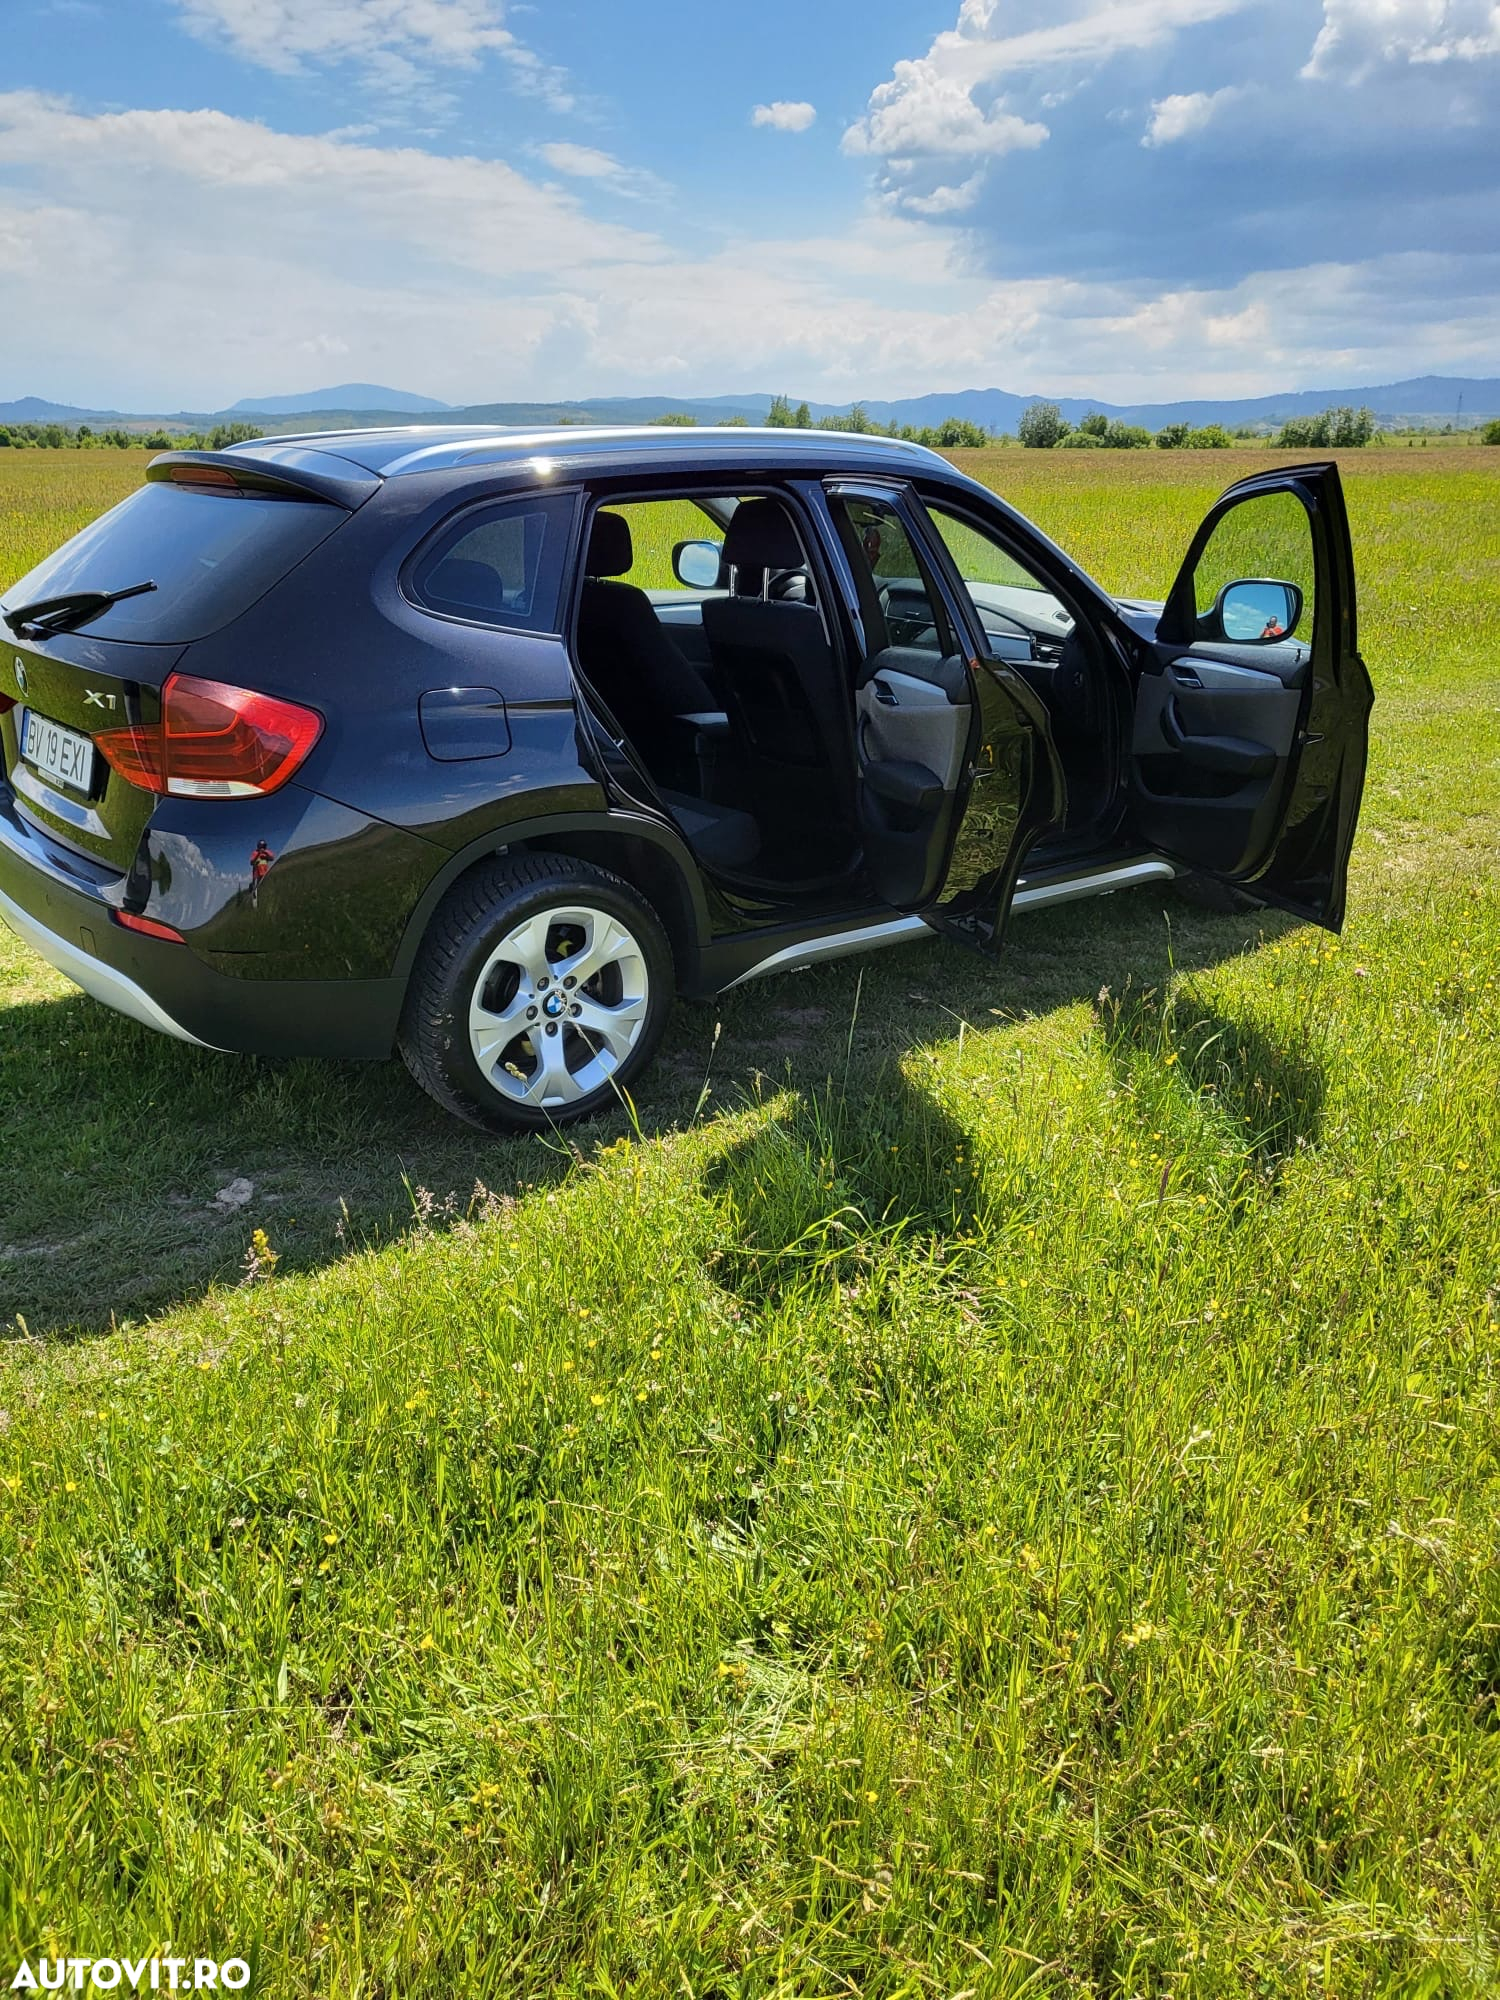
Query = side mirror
x=698 y=565
x=1255 y=611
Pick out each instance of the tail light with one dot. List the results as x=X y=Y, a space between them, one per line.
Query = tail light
x=213 y=742
x=148 y=927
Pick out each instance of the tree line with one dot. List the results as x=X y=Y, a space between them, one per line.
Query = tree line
x=946 y=436
x=54 y=436
x=1043 y=427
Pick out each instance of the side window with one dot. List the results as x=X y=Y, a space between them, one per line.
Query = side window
x=657 y=527
x=1011 y=600
x=1260 y=544
x=893 y=587
x=500 y=565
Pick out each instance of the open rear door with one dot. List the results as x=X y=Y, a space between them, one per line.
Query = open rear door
x=1252 y=717
x=954 y=767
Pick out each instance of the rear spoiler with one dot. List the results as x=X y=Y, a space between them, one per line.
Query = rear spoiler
x=290 y=475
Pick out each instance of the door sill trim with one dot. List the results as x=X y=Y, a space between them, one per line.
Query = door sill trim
x=1033 y=895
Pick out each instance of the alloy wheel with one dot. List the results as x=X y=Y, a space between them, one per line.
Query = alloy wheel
x=558 y=1006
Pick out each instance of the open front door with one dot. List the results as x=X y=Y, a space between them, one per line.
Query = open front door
x=954 y=769
x=1252 y=718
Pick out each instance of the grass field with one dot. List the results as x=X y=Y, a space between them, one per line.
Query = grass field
x=999 y=1498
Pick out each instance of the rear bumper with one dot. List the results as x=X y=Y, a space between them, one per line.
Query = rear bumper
x=165 y=986
x=100 y=981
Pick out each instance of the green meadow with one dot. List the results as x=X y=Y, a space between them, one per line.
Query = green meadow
x=987 y=1486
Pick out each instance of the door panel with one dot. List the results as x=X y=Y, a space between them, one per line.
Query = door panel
x=1211 y=750
x=1248 y=758
x=946 y=754
x=1211 y=698
x=913 y=720
x=902 y=716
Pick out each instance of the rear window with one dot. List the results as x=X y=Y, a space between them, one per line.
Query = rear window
x=209 y=554
x=499 y=564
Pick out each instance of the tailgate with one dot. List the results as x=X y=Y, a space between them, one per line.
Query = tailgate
x=65 y=690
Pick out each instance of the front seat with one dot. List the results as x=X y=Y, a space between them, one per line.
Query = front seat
x=626 y=651
x=773 y=658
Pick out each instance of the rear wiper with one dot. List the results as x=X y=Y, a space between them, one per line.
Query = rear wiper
x=63 y=614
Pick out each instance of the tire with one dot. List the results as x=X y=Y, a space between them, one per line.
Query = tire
x=495 y=1027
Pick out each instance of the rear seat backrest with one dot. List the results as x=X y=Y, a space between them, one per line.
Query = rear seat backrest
x=772 y=655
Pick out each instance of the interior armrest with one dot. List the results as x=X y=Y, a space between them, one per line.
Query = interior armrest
x=904 y=783
x=707 y=721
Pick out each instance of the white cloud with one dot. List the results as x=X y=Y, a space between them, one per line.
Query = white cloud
x=971 y=53
x=784 y=115
x=1359 y=36
x=589 y=163
x=468 y=280
x=950 y=104
x=224 y=179
x=394 y=42
x=1174 y=118
x=944 y=200
x=922 y=113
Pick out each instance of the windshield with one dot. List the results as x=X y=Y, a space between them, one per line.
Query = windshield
x=209 y=554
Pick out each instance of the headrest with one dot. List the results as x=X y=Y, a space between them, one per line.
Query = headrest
x=458 y=580
x=610 y=551
x=760 y=535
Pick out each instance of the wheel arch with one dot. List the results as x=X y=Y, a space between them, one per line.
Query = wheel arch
x=641 y=851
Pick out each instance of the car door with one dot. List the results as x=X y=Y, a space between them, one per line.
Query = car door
x=955 y=771
x=1252 y=712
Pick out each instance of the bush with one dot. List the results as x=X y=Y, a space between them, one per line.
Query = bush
x=1081 y=441
x=1120 y=436
x=1340 y=426
x=1171 y=437
x=1349 y=429
x=1042 y=426
x=1208 y=437
x=227 y=434
x=1095 y=424
x=1490 y=434
x=953 y=432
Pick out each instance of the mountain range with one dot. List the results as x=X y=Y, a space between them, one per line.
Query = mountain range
x=1423 y=400
x=347 y=396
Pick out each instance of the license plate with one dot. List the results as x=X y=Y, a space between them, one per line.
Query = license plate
x=64 y=755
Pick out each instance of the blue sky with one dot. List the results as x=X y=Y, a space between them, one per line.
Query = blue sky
x=486 y=200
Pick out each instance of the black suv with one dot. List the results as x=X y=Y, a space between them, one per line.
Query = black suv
x=481 y=744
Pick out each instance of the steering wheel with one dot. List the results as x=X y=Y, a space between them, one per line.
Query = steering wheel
x=912 y=627
x=790 y=586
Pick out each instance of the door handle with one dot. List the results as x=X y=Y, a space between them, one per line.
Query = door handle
x=884 y=693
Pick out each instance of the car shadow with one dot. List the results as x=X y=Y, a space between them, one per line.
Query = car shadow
x=135 y=1171
x=1263 y=1093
